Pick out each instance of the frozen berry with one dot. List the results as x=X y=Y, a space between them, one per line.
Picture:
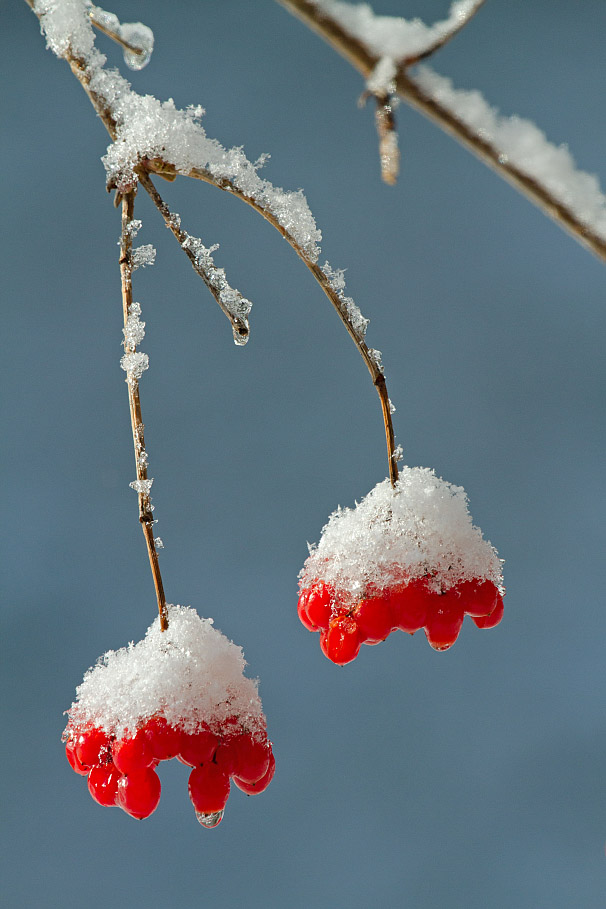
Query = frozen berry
x=489 y=621
x=444 y=620
x=260 y=785
x=165 y=740
x=374 y=618
x=198 y=747
x=103 y=784
x=342 y=641
x=208 y=788
x=479 y=597
x=133 y=752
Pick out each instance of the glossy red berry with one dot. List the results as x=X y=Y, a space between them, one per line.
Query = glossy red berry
x=342 y=642
x=92 y=746
x=208 y=788
x=248 y=757
x=374 y=618
x=409 y=604
x=132 y=752
x=302 y=611
x=103 y=784
x=479 y=598
x=319 y=605
x=260 y=785
x=489 y=621
x=165 y=740
x=138 y=792
x=72 y=757
x=198 y=747
x=444 y=620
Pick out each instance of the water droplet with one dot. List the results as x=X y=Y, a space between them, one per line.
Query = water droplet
x=210 y=820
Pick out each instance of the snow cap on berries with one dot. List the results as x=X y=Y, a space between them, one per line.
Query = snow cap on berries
x=190 y=674
x=419 y=528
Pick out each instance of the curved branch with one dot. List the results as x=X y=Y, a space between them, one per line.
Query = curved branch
x=462 y=19
x=412 y=92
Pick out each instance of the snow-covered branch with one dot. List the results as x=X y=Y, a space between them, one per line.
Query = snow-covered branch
x=515 y=148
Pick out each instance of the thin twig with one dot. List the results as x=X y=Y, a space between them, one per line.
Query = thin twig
x=364 y=60
x=145 y=509
x=239 y=325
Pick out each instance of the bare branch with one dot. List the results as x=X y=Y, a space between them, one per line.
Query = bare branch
x=142 y=484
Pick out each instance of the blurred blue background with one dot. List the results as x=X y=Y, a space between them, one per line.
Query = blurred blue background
x=469 y=779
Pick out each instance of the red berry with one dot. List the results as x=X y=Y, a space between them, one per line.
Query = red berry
x=409 y=605
x=133 y=752
x=444 y=620
x=208 y=788
x=165 y=740
x=92 y=746
x=198 y=747
x=139 y=792
x=342 y=641
x=479 y=597
x=319 y=605
x=72 y=757
x=247 y=757
x=374 y=618
x=489 y=621
x=260 y=785
x=103 y=784
x=302 y=611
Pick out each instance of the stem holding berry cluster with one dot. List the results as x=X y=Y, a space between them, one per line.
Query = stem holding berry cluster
x=145 y=507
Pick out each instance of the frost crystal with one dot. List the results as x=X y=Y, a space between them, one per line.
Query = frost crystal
x=158 y=543
x=190 y=674
x=143 y=255
x=134 y=365
x=420 y=528
x=134 y=331
x=142 y=487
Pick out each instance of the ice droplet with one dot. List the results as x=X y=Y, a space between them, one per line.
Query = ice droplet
x=210 y=820
x=241 y=332
x=140 y=36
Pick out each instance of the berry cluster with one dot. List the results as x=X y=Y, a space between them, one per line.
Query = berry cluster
x=121 y=770
x=346 y=622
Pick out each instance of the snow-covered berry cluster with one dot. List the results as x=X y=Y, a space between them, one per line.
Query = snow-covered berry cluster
x=406 y=558
x=178 y=694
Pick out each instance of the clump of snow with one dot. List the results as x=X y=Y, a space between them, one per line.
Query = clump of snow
x=336 y=280
x=420 y=528
x=190 y=674
x=382 y=80
x=142 y=256
x=394 y=36
x=524 y=146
